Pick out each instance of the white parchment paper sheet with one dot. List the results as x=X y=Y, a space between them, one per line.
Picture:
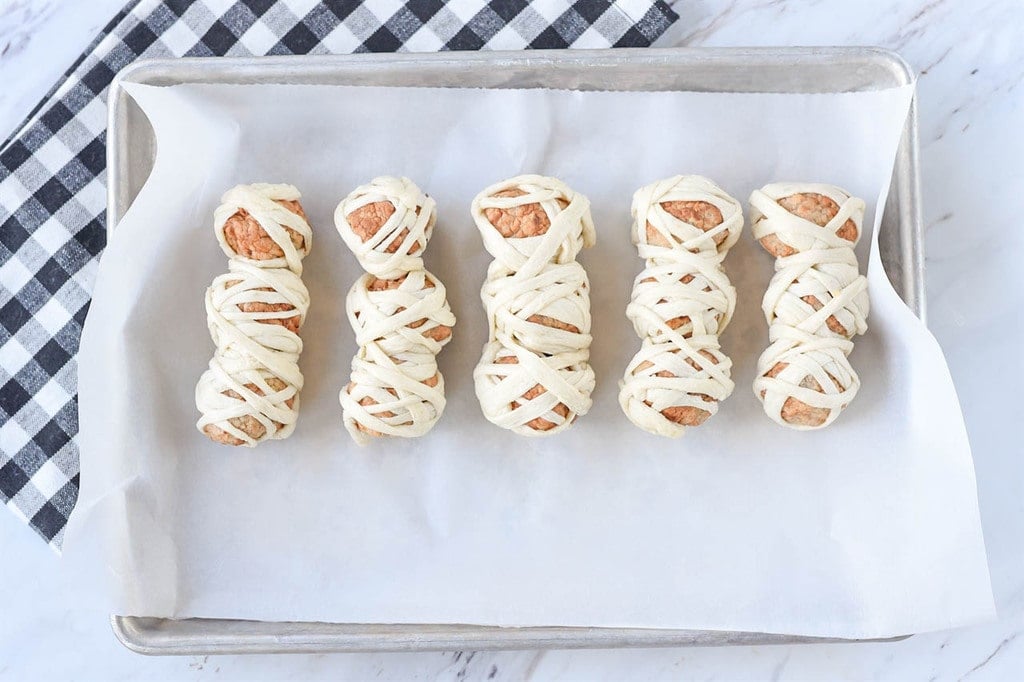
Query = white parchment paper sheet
x=869 y=528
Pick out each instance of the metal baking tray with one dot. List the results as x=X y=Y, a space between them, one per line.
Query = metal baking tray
x=131 y=150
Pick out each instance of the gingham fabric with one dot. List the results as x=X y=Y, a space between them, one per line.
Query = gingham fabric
x=52 y=184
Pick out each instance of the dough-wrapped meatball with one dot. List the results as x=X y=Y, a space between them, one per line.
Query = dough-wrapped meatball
x=815 y=303
x=534 y=377
x=398 y=310
x=683 y=227
x=250 y=393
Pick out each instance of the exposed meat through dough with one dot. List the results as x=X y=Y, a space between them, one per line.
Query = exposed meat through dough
x=438 y=332
x=248 y=239
x=796 y=411
x=685 y=415
x=366 y=401
x=537 y=423
x=367 y=220
x=289 y=323
x=703 y=215
x=246 y=423
x=817 y=208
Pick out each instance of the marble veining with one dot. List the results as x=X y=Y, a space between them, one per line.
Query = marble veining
x=39 y=40
x=970 y=61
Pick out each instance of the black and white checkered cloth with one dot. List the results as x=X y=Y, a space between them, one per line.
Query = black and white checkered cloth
x=53 y=189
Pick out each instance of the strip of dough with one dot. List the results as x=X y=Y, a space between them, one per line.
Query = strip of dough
x=682 y=301
x=815 y=304
x=534 y=377
x=254 y=311
x=398 y=310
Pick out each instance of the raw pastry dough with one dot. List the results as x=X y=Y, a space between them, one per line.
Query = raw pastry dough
x=250 y=391
x=398 y=310
x=682 y=300
x=534 y=377
x=815 y=303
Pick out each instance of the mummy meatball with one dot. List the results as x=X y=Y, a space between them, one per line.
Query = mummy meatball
x=534 y=377
x=815 y=304
x=398 y=310
x=683 y=227
x=250 y=392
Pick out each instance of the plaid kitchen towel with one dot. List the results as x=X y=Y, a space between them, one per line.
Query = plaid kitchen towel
x=52 y=184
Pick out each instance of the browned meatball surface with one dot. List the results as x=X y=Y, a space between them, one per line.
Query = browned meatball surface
x=796 y=411
x=684 y=415
x=701 y=214
x=817 y=208
x=367 y=220
x=367 y=400
x=438 y=333
x=290 y=323
x=528 y=220
x=246 y=423
x=832 y=322
x=248 y=239
x=538 y=423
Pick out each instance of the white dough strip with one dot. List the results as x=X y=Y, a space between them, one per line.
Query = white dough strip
x=399 y=312
x=809 y=343
x=531 y=276
x=681 y=303
x=255 y=347
x=249 y=334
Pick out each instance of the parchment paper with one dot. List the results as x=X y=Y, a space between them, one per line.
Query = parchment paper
x=869 y=528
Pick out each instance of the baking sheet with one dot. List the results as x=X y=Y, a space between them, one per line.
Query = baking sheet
x=740 y=526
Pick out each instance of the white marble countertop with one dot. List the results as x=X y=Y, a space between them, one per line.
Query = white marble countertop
x=971 y=64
